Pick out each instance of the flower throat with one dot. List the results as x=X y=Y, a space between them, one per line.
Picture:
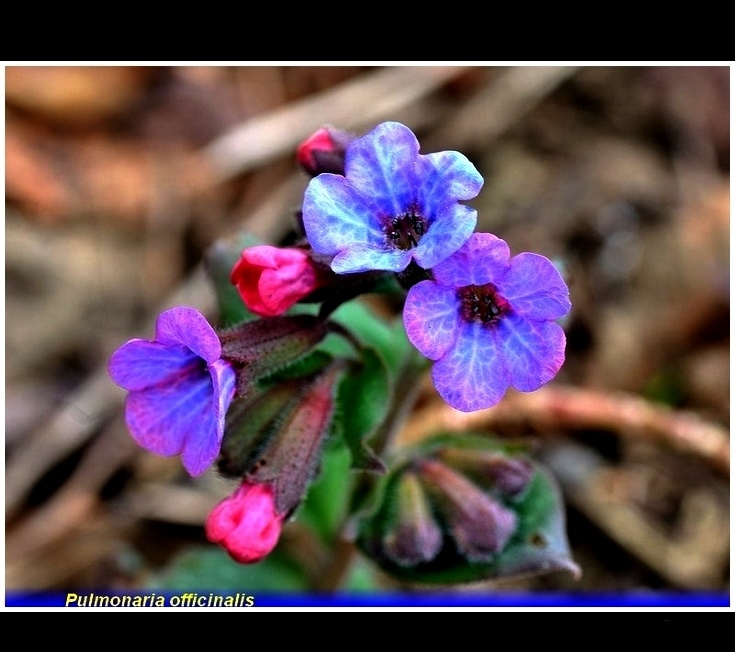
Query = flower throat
x=481 y=303
x=405 y=231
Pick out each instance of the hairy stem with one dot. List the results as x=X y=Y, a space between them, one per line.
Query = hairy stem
x=406 y=391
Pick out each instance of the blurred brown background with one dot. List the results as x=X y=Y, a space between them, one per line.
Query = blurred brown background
x=118 y=179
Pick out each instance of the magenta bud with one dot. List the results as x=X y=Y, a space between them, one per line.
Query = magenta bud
x=272 y=279
x=246 y=524
x=415 y=536
x=480 y=525
x=324 y=151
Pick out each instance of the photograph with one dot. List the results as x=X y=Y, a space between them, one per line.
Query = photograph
x=367 y=336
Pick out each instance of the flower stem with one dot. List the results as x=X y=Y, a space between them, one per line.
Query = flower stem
x=406 y=390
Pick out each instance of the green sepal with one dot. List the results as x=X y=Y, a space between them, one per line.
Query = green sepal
x=249 y=425
x=325 y=506
x=261 y=347
x=310 y=364
x=538 y=545
x=289 y=461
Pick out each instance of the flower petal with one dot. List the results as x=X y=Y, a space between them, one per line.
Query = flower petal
x=484 y=258
x=382 y=166
x=447 y=176
x=363 y=258
x=533 y=350
x=535 y=288
x=452 y=228
x=473 y=375
x=279 y=290
x=336 y=215
x=430 y=316
x=224 y=380
x=138 y=364
x=175 y=418
x=271 y=257
x=202 y=447
x=187 y=326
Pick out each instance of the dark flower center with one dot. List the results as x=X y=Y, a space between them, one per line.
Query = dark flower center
x=404 y=231
x=481 y=303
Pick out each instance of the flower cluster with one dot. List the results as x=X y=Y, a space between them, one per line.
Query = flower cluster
x=486 y=319
x=374 y=207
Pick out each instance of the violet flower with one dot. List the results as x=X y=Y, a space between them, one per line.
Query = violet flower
x=488 y=322
x=392 y=205
x=179 y=388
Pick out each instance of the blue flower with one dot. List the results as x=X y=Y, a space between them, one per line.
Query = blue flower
x=392 y=205
x=487 y=320
x=179 y=388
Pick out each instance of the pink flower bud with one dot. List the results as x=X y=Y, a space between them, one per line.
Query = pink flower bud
x=246 y=524
x=272 y=279
x=324 y=151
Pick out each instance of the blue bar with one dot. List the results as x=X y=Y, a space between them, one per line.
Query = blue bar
x=84 y=598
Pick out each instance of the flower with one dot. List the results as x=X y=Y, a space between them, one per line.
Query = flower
x=487 y=320
x=392 y=205
x=179 y=388
x=271 y=279
x=246 y=523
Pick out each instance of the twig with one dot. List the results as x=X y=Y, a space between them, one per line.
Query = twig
x=172 y=504
x=68 y=429
x=499 y=105
x=71 y=506
x=555 y=408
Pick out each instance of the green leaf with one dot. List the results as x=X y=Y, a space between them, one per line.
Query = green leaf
x=211 y=568
x=386 y=337
x=362 y=577
x=369 y=390
x=363 y=403
x=539 y=544
x=325 y=506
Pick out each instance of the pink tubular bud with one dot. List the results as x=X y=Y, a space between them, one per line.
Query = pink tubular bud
x=324 y=151
x=246 y=524
x=272 y=279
